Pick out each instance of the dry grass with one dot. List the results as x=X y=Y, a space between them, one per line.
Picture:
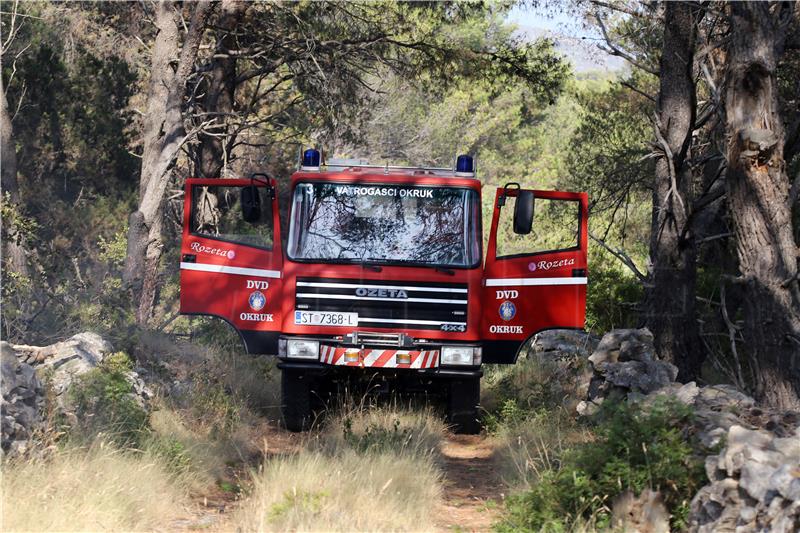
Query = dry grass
x=313 y=491
x=369 y=469
x=534 y=445
x=400 y=430
x=95 y=489
x=190 y=449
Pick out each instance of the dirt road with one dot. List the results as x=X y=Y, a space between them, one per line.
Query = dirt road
x=472 y=490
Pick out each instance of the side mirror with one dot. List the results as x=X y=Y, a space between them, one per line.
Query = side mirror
x=523 y=212
x=251 y=204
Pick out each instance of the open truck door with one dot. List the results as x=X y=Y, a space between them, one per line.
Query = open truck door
x=535 y=271
x=231 y=257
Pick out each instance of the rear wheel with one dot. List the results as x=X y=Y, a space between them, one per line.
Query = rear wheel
x=296 y=401
x=462 y=405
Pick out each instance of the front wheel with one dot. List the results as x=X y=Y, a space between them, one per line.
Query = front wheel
x=462 y=405
x=296 y=401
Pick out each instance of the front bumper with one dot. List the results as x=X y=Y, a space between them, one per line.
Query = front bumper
x=378 y=357
x=313 y=367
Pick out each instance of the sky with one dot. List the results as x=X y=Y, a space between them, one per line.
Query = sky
x=574 y=40
x=553 y=20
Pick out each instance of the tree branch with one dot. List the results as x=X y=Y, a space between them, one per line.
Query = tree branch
x=616 y=51
x=622 y=256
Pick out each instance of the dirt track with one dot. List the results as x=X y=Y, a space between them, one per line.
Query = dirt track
x=472 y=499
x=473 y=490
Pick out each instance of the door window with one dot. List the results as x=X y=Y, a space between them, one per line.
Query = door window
x=556 y=227
x=217 y=214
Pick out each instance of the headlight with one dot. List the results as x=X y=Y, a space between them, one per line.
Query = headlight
x=461 y=355
x=302 y=349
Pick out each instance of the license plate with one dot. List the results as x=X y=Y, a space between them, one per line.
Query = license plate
x=325 y=318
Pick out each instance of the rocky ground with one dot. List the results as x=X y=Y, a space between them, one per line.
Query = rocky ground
x=752 y=453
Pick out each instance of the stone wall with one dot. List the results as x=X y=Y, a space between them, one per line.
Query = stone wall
x=754 y=481
x=29 y=372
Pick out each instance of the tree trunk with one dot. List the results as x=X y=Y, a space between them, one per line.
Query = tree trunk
x=758 y=199
x=221 y=91
x=163 y=137
x=669 y=301
x=13 y=250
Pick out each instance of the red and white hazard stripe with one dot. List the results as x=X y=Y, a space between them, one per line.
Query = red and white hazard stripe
x=368 y=358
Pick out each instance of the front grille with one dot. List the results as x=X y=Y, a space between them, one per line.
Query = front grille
x=388 y=304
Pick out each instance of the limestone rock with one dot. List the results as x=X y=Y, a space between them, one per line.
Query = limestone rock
x=66 y=360
x=644 y=377
x=636 y=350
x=23 y=399
x=755 y=478
x=685 y=393
x=643 y=514
x=754 y=486
x=624 y=345
x=564 y=343
x=28 y=370
x=786 y=481
x=719 y=397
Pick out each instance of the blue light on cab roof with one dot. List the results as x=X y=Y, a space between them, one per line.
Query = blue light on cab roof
x=311 y=159
x=465 y=165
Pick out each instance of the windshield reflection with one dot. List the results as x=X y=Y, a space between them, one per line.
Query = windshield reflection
x=384 y=224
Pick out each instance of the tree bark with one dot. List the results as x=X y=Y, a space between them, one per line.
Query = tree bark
x=15 y=258
x=163 y=136
x=669 y=301
x=758 y=199
x=220 y=95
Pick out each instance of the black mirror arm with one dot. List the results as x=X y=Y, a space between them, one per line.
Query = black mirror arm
x=501 y=202
x=254 y=178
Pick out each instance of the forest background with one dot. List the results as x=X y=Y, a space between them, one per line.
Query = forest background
x=689 y=154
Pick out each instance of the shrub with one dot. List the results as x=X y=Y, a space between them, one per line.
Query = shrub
x=104 y=401
x=611 y=295
x=636 y=448
x=510 y=393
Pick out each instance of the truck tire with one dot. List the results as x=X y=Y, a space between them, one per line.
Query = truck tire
x=296 y=401
x=462 y=406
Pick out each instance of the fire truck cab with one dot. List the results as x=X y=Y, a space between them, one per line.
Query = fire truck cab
x=383 y=275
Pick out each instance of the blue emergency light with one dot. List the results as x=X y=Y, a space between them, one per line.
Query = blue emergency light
x=311 y=159
x=465 y=165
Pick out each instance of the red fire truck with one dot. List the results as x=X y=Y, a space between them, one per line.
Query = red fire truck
x=383 y=275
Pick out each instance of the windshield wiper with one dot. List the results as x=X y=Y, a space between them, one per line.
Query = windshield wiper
x=368 y=266
x=445 y=270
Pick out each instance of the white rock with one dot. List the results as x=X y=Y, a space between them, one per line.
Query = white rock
x=786 y=481
x=755 y=478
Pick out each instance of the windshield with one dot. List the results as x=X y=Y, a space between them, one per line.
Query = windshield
x=381 y=223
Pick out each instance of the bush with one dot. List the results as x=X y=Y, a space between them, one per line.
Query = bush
x=512 y=393
x=636 y=448
x=104 y=401
x=611 y=295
